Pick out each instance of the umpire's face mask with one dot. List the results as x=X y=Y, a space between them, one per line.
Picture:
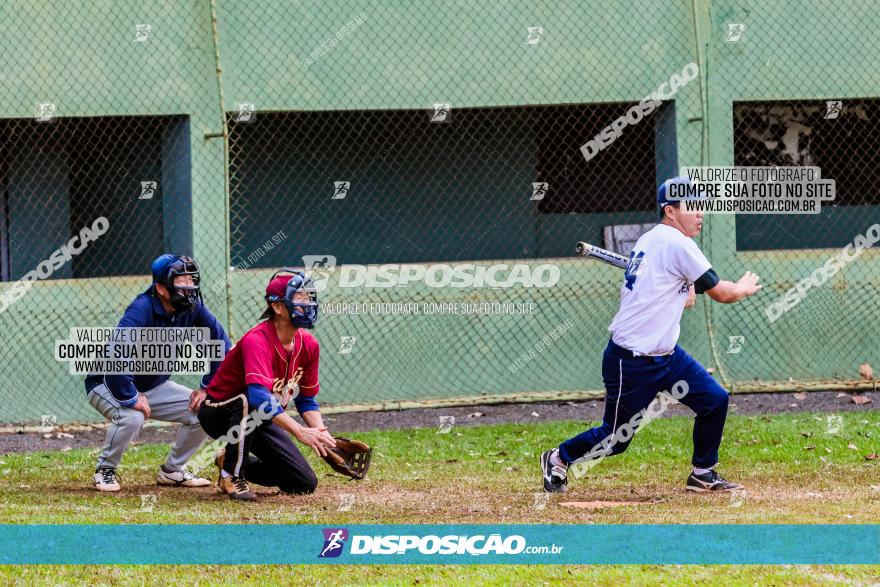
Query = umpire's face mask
x=183 y=284
x=184 y=294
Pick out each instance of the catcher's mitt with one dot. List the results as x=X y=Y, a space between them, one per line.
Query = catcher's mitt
x=350 y=457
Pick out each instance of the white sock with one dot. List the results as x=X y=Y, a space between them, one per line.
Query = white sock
x=555 y=460
x=224 y=474
x=698 y=471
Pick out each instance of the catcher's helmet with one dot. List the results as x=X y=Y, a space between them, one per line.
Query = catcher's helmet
x=166 y=267
x=281 y=288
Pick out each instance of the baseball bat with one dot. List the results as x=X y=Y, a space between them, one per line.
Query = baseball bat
x=587 y=250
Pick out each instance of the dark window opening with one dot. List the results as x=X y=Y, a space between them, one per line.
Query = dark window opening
x=59 y=176
x=838 y=136
x=608 y=181
x=419 y=191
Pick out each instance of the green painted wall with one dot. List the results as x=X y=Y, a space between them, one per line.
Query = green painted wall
x=466 y=53
x=81 y=56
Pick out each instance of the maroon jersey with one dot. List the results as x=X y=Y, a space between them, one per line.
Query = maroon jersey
x=260 y=358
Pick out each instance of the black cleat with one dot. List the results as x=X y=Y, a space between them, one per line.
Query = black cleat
x=711 y=481
x=555 y=476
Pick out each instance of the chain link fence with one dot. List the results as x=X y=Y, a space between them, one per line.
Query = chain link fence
x=433 y=168
x=104 y=110
x=821 y=113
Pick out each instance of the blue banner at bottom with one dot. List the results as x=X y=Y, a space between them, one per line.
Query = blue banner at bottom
x=440 y=544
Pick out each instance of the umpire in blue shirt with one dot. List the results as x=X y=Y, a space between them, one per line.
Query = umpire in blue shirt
x=173 y=300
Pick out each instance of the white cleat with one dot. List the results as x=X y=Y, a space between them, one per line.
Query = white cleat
x=106 y=480
x=181 y=479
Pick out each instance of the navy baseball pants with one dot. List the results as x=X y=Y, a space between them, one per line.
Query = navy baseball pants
x=632 y=383
x=265 y=456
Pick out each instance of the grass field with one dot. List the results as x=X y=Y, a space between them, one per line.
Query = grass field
x=795 y=471
x=677 y=575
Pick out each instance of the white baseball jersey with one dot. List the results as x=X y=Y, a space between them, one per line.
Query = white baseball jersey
x=664 y=262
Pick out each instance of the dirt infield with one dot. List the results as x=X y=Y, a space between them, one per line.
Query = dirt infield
x=588 y=411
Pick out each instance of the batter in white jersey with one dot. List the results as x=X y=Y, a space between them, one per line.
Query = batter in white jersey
x=665 y=272
x=663 y=265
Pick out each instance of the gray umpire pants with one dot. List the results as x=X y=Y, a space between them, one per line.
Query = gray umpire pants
x=169 y=402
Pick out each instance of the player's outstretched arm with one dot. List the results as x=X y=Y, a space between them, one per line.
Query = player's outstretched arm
x=313 y=419
x=728 y=292
x=317 y=438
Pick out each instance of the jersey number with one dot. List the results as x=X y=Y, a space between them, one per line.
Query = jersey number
x=632 y=269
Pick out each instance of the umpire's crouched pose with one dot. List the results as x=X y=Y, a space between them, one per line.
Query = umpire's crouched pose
x=173 y=300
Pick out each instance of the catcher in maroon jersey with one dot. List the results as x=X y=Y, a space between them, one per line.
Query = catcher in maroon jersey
x=275 y=360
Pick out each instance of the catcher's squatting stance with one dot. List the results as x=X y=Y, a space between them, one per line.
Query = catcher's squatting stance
x=642 y=357
x=173 y=300
x=274 y=359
